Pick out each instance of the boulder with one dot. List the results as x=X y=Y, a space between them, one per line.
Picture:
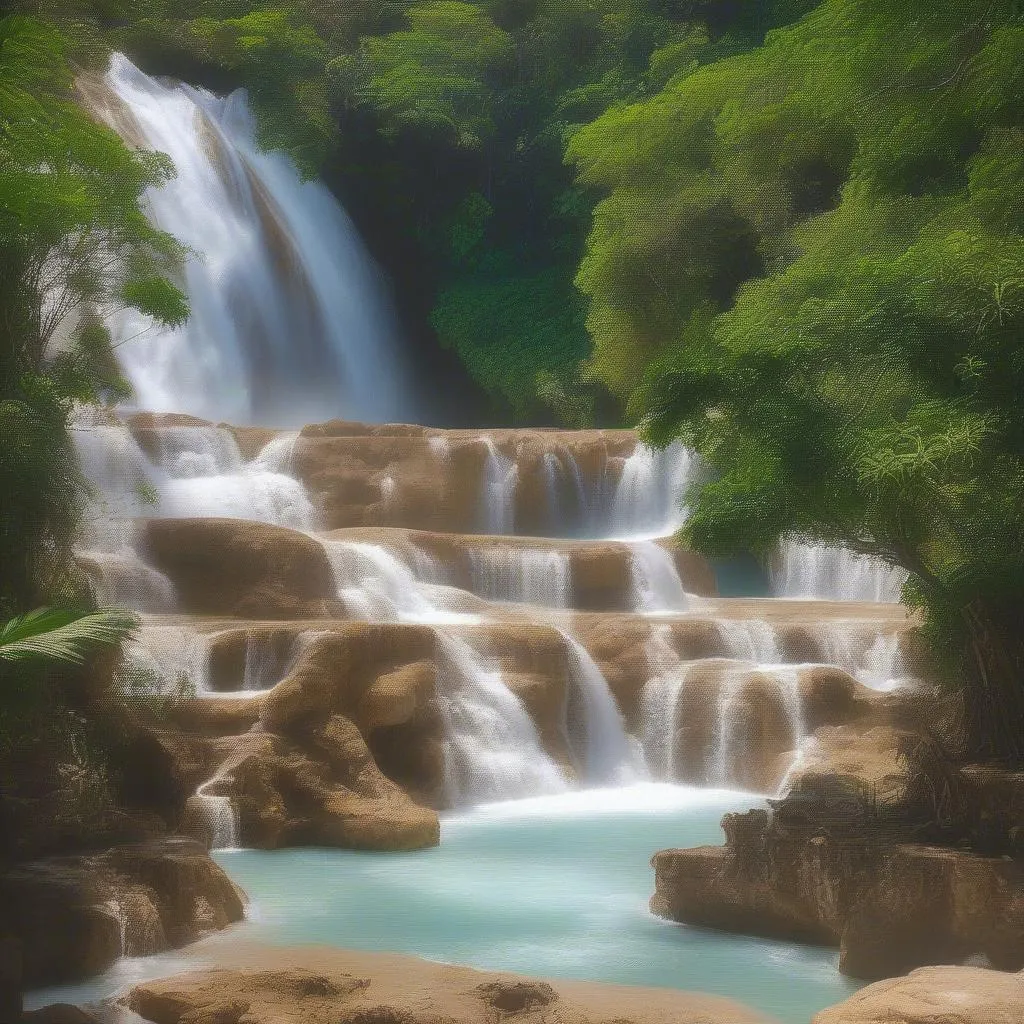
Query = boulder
x=935 y=995
x=74 y=916
x=245 y=569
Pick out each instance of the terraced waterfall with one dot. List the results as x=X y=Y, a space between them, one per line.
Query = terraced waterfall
x=366 y=626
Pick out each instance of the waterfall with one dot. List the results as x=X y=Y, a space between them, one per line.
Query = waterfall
x=649 y=499
x=492 y=749
x=167 y=659
x=725 y=753
x=657 y=586
x=659 y=703
x=217 y=816
x=290 y=318
x=818 y=572
x=524 y=575
x=871 y=657
x=749 y=640
x=498 y=497
x=375 y=585
x=605 y=751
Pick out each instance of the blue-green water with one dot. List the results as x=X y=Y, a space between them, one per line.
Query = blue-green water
x=556 y=887
x=553 y=887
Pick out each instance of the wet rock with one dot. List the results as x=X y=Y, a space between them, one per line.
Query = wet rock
x=74 y=916
x=58 y=1013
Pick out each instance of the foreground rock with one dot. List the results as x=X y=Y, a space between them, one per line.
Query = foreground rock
x=826 y=873
x=314 y=987
x=935 y=995
x=74 y=916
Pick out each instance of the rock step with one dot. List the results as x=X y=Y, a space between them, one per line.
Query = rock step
x=423 y=478
x=372 y=691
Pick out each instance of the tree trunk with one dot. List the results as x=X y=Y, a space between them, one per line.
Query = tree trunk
x=994 y=669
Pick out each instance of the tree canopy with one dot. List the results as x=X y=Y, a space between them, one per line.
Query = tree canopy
x=810 y=265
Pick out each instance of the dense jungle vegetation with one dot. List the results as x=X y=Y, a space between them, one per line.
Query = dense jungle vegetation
x=787 y=231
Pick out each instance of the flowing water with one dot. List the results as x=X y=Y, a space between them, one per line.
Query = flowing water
x=544 y=867
x=290 y=318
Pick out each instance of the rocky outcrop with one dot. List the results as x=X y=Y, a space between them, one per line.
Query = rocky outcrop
x=402 y=476
x=325 y=790
x=74 y=916
x=317 y=987
x=241 y=568
x=935 y=995
x=827 y=873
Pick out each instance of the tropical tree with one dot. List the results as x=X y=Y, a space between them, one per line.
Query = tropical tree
x=75 y=247
x=64 y=635
x=815 y=252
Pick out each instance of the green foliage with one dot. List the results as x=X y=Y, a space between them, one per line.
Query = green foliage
x=437 y=76
x=508 y=328
x=809 y=266
x=64 y=635
x=74 y=248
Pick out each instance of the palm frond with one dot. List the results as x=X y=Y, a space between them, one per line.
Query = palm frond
x=60 y=634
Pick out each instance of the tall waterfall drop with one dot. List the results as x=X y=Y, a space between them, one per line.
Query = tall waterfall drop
x=290 y=318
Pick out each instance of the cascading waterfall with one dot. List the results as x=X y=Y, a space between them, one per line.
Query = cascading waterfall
x=818 y=572
x=375 y=585
x=217 y=816
x=605 y=751
x=873 y=658
x=649 y=498
x=167 y=659
x=493 y=751
x=535 y=576
x=659 y=703
x=497 y=505
x=750 y=640
x=290 y=318
x=657 y=586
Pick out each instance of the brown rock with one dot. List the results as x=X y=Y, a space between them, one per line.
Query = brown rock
x=341 y=987
x=935 y=995
x=70 y=913
x=932 y=905
x=241 y=568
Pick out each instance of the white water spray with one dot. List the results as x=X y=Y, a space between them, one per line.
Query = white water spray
x=290 y=318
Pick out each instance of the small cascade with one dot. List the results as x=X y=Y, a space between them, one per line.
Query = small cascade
x=523 y=575
x=217 y=816
x=187 y=452
x=198 y=472
x=167 y=660
x=818 y=572
x=871 y=657
x=750 y=640
x=721 y=771
x=657 y=586
x=256 y=490
x=492 y=749
x=788 y=680
x=649 y=498
x=498 y=496
x=291 y=321
x=115 y=908
x=375 y=585
x=659 y=702
x=605 y=751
